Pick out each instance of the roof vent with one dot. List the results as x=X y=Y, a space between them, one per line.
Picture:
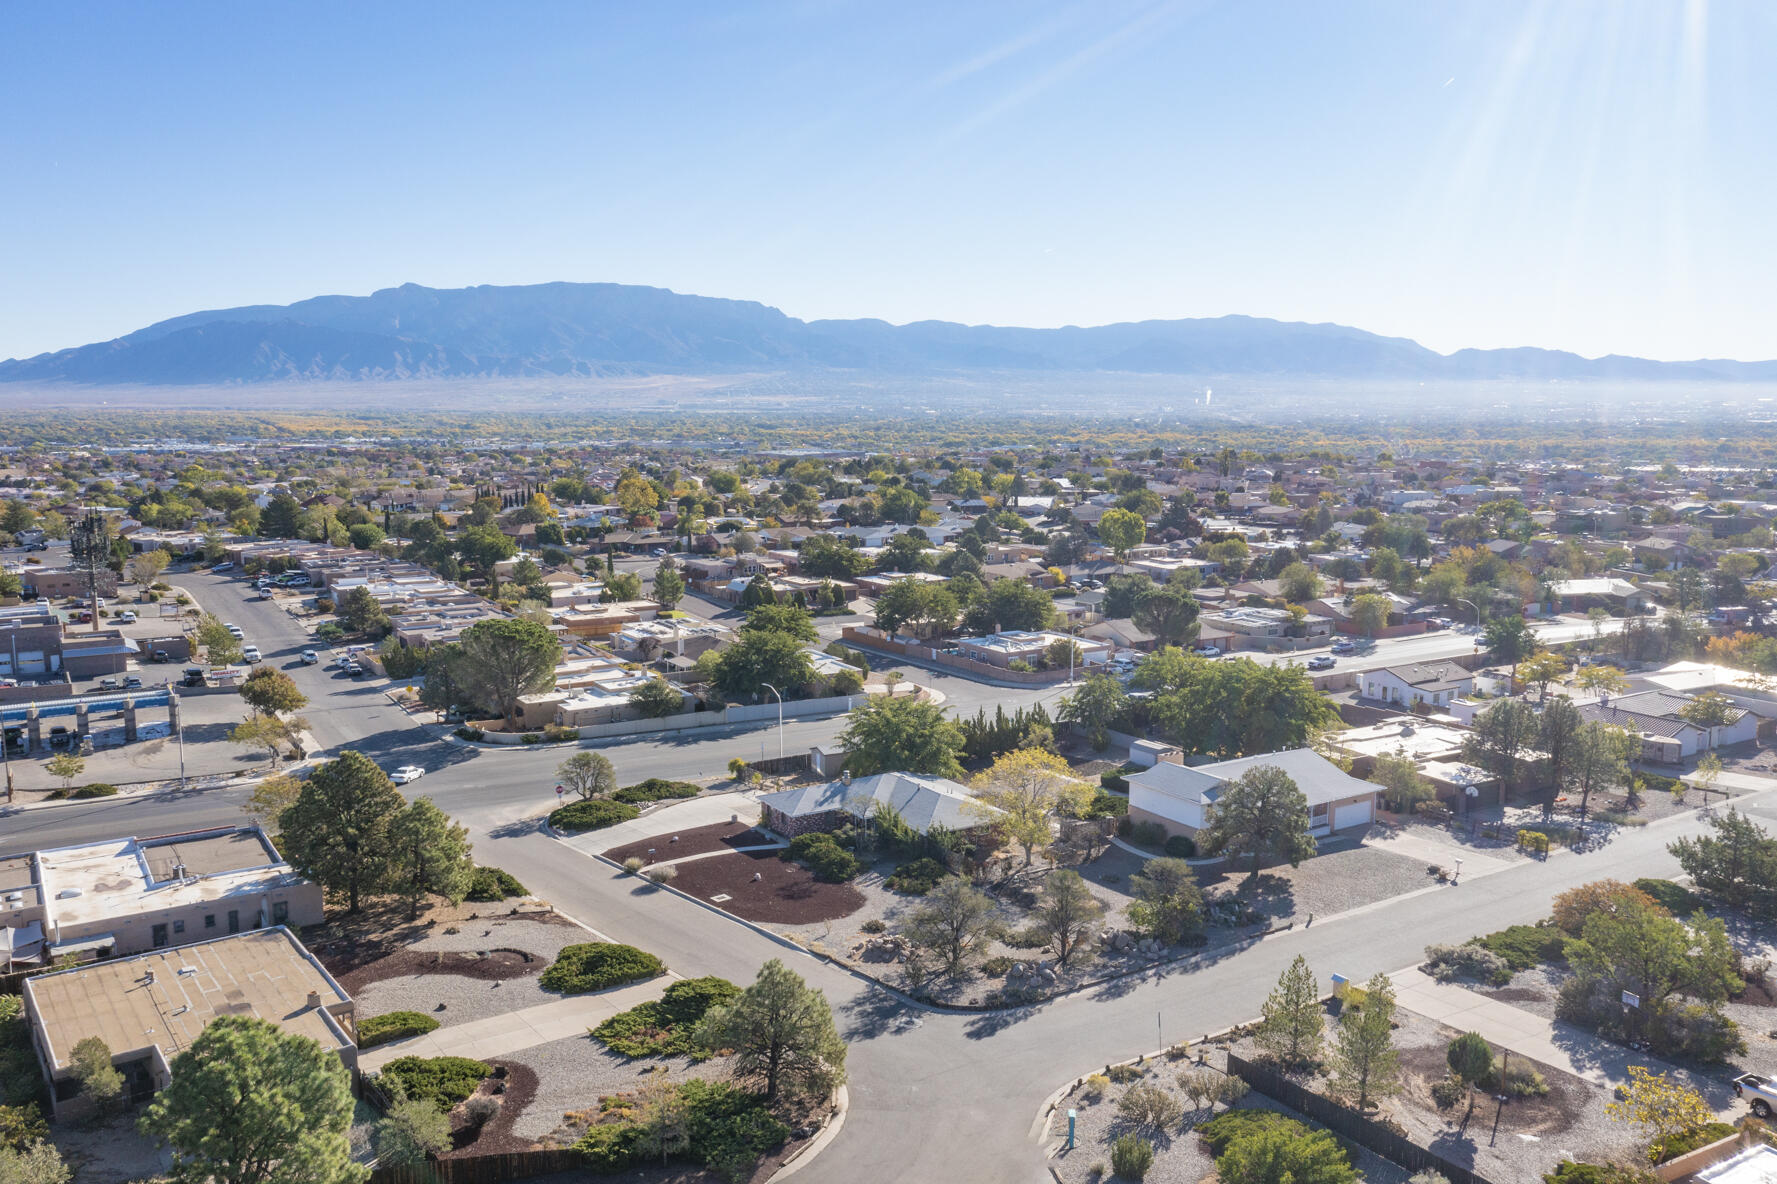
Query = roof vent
x=68 y=894
x=845 y=777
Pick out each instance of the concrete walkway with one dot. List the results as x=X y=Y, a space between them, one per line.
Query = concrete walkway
x=667 y=820
x=499 y=1035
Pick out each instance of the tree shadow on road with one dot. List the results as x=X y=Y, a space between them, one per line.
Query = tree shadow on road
x=875 y=1012
x=990 y=1024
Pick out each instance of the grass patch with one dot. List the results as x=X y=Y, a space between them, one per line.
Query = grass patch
x=1524 y=946
x=596 y=965
x=596 y=814
x=443 y=1081
x=491 y=885
x=656 y=789
x=663 y=1027
x=394 y=1025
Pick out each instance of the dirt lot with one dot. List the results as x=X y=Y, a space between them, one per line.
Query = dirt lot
x=697 y=841
x=762 y=887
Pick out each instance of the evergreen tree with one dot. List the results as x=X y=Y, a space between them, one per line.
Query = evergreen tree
x=337 y=833
x=781 y=1030
x=431 y=855
x=1290 y=1027
x=1365 y=1063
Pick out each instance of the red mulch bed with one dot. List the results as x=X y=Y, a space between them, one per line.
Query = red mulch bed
x=496 y=1137
x=492 y=965
x=696 y=841
x=786 y=893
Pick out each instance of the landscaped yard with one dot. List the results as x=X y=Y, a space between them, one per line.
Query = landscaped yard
x=759 y=886
x=699 y=840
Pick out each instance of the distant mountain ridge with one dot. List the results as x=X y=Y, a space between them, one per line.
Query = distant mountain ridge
x=604 y=329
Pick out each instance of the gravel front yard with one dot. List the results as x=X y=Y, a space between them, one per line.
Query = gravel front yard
x=573 y=1074
x=1333 y=882
x=465 y=997
x=1179 y=1156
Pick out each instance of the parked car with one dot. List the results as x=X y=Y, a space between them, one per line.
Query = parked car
x=1344 y=646
x=250 y=654
x=132 y=682
x=60 y=736
x=1762 y=1091
x=1322 y=662
x=310 y=657
x=225 y=565
x=159 y=656
x=36 y=546
x=194 y=676
x=407 y=773
x=234 y=631
x=1206 y=651
x=110 y=683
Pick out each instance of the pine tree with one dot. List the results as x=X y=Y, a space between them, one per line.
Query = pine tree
x=1290 y=1030
x=780 y=1029
x=1365 y=1063
x=431 y=855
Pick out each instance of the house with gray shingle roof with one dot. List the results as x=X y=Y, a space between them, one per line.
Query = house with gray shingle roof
x=1665 y=734
x=922 y=802
x=1182 y=797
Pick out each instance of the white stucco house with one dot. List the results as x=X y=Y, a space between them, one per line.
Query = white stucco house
x=1181 y=798
x=1434 y=684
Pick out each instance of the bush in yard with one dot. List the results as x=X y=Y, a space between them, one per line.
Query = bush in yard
x=610 y=1148
x=559 y=734
x=1576 y=904
x=1704 y=1135
x=1106 y=805
x=634 y=865
x=596 y=965
x=96 y=789
x=1131 y=1157
x=997 y=967
x=1224 y=1128
x=1447 y=963
x=591 y=815
x=490 y=885
x=726 y=1129
x=1572 y=1172
x=1147 y=1105
x=1028 y=938
x=443 y=1081
x=1148 y=834
x=1272 y=1156
x=665 y=874
x=394 y=1025
x=874 y=925
x=662 y=1027
x=1674 y=898
x=1095 y=1086
x=413 y=1129
x=480 y=1110
x=1518 y=1081
x=823 y=856
x=1447 y=1091
x=1181 y=847
x=1524 y=946
x=1123 y=1074
x=656 y=789
x=916 y=878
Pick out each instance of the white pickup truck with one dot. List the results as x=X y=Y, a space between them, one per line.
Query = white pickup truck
x=1761 y=1092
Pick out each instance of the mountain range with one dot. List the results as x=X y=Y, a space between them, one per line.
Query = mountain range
x=570 y=329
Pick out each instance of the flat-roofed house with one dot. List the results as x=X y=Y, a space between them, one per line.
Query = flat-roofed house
x=150 y=1008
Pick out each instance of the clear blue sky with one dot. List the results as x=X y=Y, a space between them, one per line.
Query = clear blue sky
x=1597 y=176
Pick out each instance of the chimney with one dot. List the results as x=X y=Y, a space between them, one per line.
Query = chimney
x=314 y=1000
x=150 y=978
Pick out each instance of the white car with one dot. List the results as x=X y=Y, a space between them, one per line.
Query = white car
x=126 y=617
x=234 y=631
x=407 y=773
x=250 y=654
x=310 y=657
x=1206 y=651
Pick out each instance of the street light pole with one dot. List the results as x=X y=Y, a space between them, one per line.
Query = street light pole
x=780 y=724
x=1473 y=605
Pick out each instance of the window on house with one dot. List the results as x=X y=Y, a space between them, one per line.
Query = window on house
x=209 y=920
x=280 y=911
x=178 y=927
x=1320 y=811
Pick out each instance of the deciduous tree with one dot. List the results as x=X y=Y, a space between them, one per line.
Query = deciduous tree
x=1029 y=787
x=951 y=925
x=1067 y=914
x=587 y=775
x=1665 y=1108
x=904 y=735
x=269 y=691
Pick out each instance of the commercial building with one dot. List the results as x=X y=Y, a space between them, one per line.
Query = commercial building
x=125 y=896
x=150 y=1008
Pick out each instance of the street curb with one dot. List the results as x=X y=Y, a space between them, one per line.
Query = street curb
x=835 y=1123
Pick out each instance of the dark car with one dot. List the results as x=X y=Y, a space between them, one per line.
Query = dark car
x=60 y=737
x=194 y=676
x=159 y=656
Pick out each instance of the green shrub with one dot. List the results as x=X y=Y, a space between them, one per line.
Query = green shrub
x=1125 y=826
x=596 y=965
x=97 y=789
x=1519 y=1081
x=874 y=925
x=560 y=733
x=1105 y=805
x=443 y=1081
x=1524 y=946
x=1701 y=1137
x=656 y=789
x=1534 y=841
x=917 y=878
x=1131 y=1157
x=1448 y=963
x=1148 y=834
x=611 y=1148
x=595 y=814
x=1029 y=938
x=1123 y=1074
x=490 y=885
x=473 y=735
x=997 y=967
x=821 y=854
x=1674 y=898
x=531 y=738
x=663 y=1027
x=1230 y=1125
x=1113 y=779
x=394 y=1025
x=1447 y=1091
x=1181 y=847
x=728 y=1131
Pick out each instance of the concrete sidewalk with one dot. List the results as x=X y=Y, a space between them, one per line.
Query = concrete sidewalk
x=516 y=1030
x=668 y=820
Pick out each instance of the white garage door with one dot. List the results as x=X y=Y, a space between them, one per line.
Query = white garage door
x=1353 y=814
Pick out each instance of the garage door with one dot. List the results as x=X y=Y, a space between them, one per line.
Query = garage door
x=1353 y=814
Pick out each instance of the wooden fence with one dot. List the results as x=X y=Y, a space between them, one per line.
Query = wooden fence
x=483 y=1169
x=1350 y=1123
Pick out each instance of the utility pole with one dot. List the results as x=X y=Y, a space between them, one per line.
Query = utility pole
x=780 y=724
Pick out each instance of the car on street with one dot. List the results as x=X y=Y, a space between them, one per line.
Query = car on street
x=110 y=684
x=407 y=773
x=250 y=654
x=126 y=617
x=1322 y=662
x=60 y=736
x=234 y=631
x=310 y=657
x=1206 y=651
x=225 y=565
x=658 y=552
x=1344 y=646
x=194 y=676
x=132 y=682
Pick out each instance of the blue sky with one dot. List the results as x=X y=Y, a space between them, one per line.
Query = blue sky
x=1591 y=176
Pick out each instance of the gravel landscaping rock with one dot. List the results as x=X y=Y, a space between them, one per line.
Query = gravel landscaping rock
x=573 y=1074
x=466 y=998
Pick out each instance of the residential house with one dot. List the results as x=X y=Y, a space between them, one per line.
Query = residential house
x=922 y=803
x=1182 y=798
x=1421 y=684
